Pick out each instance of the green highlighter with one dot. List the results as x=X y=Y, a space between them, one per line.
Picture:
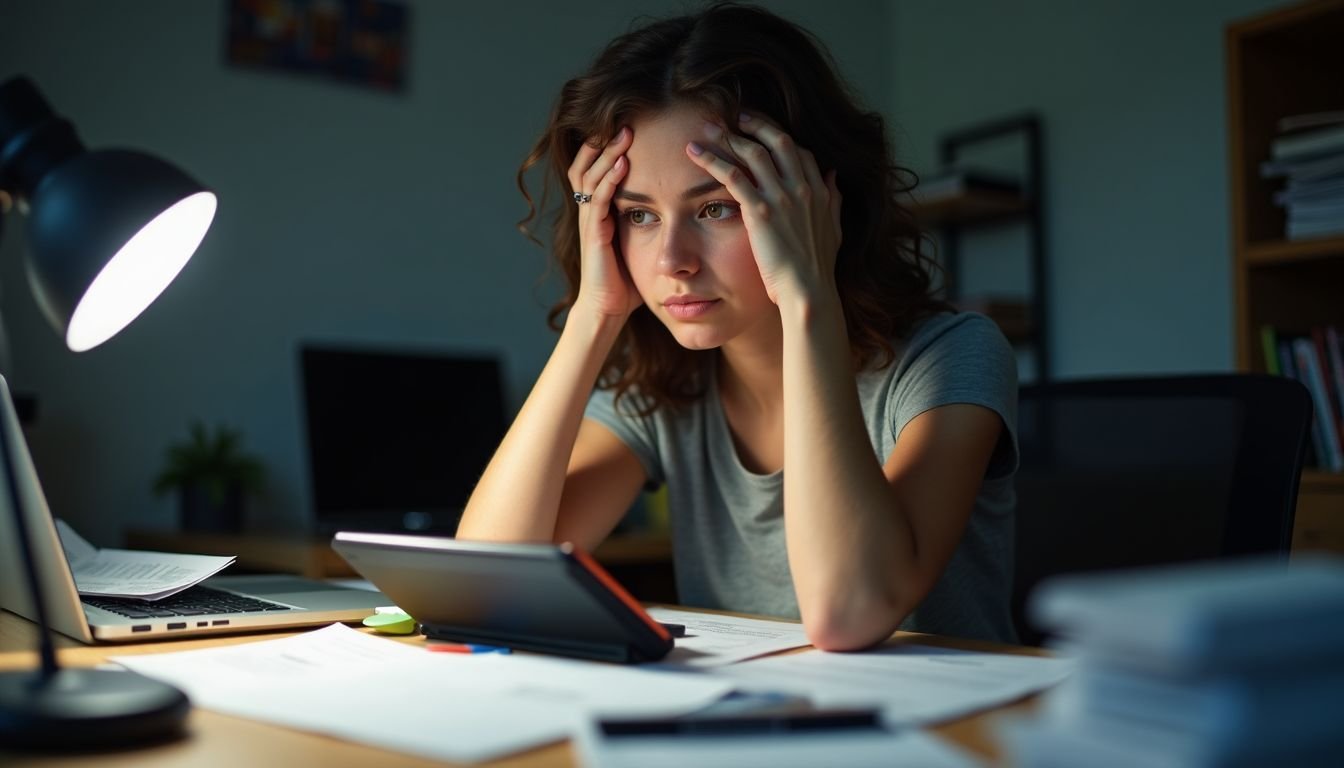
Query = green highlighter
x=391 y=623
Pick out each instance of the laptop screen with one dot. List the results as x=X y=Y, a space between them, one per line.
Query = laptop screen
x=397 y=439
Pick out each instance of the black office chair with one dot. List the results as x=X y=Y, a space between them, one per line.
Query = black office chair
x=1120 y=473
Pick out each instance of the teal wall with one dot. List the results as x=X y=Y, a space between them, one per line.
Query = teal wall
x=1132 y=98
x=345 y=215
x=349 y=215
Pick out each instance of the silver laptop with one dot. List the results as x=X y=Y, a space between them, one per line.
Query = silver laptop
x=219 y=605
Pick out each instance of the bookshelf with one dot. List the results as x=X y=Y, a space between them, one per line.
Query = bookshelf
x=966 y=205
x=1286 y=62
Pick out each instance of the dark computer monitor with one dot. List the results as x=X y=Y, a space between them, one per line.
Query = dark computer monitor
x=397 y=439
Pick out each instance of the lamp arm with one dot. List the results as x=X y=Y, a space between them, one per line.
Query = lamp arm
x=46 y=648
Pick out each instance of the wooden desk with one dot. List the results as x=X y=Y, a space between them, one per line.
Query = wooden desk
x=220 y=741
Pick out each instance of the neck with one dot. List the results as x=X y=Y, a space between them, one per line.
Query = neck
x=751 y=368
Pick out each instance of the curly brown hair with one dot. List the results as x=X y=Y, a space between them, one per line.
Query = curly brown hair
x=726 y=59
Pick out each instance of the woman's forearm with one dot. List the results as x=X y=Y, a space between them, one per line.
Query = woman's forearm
x=850 y=548
x=519 y=494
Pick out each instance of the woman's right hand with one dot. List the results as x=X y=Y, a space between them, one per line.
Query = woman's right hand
x=604 y=285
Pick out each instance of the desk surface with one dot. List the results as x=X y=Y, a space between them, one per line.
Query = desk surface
x=221 y=741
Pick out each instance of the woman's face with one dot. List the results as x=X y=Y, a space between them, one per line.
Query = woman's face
x=682 y=238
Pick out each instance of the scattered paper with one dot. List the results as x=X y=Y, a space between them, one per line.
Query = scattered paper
x=713 y=639
x=463 y=707
x=863 y=749
x=132 y=573
x=910 y=683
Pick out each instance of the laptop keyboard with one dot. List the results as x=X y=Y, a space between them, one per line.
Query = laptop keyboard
x=197 y=601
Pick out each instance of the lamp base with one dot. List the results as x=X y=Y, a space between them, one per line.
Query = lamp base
x=79 y=709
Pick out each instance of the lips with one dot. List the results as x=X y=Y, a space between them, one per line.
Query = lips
x=689 y=306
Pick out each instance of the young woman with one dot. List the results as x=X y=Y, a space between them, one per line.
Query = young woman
x=750 y=321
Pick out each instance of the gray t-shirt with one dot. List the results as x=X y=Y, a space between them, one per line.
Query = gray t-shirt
x=728 y=523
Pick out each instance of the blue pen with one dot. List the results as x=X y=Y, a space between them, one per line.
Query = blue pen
x=466 y=648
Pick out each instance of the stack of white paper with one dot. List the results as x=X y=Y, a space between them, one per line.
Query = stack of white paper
x=910 y=684
x=133 y=573
x=1226 y=664
x=713 y=640
x=469 y=707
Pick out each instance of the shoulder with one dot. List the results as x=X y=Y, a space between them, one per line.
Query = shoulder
x=960 y=333
x=604 y=405
x=951 y=358
x=636 y=418
x=948 y=358
x=946 y=348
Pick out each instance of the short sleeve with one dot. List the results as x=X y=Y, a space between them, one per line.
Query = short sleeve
x=639 y=433
x=960 y=358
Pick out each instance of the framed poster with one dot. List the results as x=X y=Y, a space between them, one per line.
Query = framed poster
x=363 y=42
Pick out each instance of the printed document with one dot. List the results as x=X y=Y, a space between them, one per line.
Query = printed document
x=909 y=683
x=131 y=573
x=712 y=639
x=462 y=707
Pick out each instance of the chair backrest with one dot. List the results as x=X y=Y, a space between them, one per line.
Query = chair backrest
x=1120 y=473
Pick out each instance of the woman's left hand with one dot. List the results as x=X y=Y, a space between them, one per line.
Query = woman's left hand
x=791 y=212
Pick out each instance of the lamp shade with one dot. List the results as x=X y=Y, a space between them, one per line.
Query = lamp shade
x=108 y=229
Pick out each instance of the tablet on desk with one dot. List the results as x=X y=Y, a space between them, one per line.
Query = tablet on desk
x=532 y=597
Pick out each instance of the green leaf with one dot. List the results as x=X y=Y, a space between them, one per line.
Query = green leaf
x=215 y=460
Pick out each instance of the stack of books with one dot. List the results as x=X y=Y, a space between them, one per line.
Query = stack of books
x=1316 y=359
x=1308 y=153
x=1235 y=663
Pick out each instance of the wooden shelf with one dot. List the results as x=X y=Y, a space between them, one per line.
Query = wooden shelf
x=971 y=208
x=308 y=556
x=1285 y=62
x=962 y=198
x=1013 y=316
x=1315 y=479
x=635 y=549
x=1293 y=251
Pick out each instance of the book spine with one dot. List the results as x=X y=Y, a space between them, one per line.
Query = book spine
x=1269 y=345
x=1322 y=344
x=1317 y=448
x=1335 y=347
x=1305 y=352
x=1322 y=141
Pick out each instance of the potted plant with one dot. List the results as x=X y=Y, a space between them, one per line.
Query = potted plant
x=212 y=476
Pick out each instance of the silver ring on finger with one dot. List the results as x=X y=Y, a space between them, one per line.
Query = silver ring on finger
x=581 y=198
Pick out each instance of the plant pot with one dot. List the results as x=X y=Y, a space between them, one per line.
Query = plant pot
x=200 y=512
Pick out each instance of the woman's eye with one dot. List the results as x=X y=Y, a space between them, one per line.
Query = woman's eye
x=718 y=211
x=638 y=216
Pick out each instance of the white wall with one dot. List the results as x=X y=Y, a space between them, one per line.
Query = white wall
x=345 y=215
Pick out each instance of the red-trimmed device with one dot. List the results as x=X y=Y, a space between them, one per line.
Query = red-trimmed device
x=530 y=597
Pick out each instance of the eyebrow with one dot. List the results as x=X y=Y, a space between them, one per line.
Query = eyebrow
x=693 y=192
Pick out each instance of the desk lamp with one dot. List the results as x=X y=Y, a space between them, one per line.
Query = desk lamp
x=107 y=232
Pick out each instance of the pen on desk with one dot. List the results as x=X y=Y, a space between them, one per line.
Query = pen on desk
x=737 y=725
x=465 y=648
x=675 y=630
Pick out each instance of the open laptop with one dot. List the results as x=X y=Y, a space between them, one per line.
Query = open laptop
x=221 y=604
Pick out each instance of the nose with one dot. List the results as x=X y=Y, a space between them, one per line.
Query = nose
x=679 y=250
